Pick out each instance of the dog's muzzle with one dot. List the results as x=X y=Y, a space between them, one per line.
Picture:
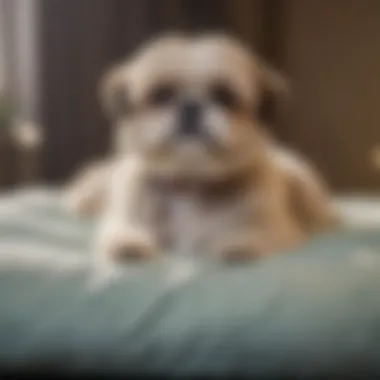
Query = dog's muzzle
x=192 y=128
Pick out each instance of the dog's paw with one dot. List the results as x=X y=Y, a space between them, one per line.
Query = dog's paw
x=126 y=243
x=240 y=249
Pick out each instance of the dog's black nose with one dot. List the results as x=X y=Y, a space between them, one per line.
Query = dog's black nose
x=189 y=119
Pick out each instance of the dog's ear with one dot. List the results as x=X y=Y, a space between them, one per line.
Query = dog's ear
x=113 y=92
x=274 y=95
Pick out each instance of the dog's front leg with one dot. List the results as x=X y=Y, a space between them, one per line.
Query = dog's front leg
x=124 y=231
x=272 y=228
x=279 y=228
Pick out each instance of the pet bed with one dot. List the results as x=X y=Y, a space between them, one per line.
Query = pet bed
x=309 y=313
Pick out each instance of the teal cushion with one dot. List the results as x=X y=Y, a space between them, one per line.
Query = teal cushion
x=309 y=313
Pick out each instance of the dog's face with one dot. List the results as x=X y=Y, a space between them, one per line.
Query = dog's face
x=192 y=105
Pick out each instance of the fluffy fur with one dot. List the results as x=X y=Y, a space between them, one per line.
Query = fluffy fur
x=194 y=168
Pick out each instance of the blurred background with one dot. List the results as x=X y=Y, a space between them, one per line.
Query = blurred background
x=53 y=52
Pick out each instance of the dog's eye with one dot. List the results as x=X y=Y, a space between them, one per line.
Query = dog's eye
x=224 y=96
x=162 y=95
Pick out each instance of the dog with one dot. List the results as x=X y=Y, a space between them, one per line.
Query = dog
x=194 y=167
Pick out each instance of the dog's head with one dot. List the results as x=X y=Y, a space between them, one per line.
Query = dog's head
x=193 y=105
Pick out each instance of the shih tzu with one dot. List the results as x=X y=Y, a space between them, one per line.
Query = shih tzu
x=194 y=167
